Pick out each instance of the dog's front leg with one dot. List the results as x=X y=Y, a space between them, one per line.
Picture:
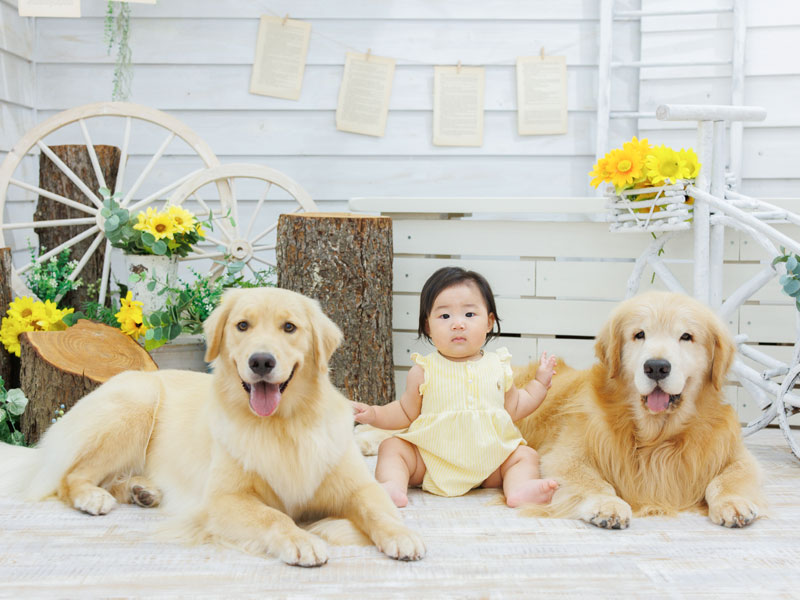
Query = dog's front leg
x=734 y=496
x=237 y=511
x=582 y=491
x=355 y=495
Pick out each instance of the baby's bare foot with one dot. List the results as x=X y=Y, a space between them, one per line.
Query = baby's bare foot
x=397 y=493
x=534 y=491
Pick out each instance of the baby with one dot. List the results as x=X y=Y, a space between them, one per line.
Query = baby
x=460 y=404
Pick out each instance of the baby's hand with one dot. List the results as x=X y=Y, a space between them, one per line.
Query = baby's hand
x=363 y=413
x=546 y=370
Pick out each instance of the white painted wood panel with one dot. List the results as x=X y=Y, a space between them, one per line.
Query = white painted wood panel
x=507 y=277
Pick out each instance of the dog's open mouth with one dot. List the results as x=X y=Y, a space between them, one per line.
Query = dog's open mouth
x=658 y=400
x=264 y=396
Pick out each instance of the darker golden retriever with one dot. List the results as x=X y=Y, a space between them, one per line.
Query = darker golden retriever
x=645 y=430
x=236 y=456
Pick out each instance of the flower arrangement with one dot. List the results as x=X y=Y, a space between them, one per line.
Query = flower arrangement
x=27 y=314
x=639 y=165
x=50 y=279
x=169 y=232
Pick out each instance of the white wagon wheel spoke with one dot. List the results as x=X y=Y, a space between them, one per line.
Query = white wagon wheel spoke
x=237 y=239
x=103 y=123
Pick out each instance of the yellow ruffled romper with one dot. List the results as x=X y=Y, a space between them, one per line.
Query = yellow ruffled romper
x=463 y=431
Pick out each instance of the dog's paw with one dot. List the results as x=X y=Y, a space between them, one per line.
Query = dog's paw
x=302 y=549
x=733 y=512
x=144 y=496
x=608 y=512
x=399 y=542
x=96 y=501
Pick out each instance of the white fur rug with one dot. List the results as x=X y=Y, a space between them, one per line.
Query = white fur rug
x=476 y=549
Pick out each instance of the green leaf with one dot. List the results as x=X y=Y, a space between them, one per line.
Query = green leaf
x=784 y=279
x=791 y=263
x=792 y=287
x=105 y=212
x=148 y=238
x=72 y=318
x=160 y=248
x=3 y=415
x=779 y=259
x=18 y=438
x=112 y=223
x=16 y=402
x=148 y=335
x=153 y=344
x=151 y=285
x=175 y=330
x=104 y=192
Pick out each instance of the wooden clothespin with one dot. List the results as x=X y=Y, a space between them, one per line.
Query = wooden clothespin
x=285 y=18
x=458 y=68
x=369 y=52
x=541 y=53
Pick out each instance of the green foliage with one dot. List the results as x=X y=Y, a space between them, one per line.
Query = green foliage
x=791 y=281
x=49 y=280
x=12 y=405
x=117 y=31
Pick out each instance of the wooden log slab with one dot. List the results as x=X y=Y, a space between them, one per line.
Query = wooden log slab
x=60 y=367
x=345 y=261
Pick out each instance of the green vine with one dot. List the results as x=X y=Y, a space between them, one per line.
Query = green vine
x=117 y=32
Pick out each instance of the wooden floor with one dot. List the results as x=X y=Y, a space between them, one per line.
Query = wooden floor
x=475 y=550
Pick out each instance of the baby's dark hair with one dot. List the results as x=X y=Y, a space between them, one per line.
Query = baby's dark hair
x=447 y=277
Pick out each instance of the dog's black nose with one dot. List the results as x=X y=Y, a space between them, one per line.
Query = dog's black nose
x=657 y=368
x=261 y=364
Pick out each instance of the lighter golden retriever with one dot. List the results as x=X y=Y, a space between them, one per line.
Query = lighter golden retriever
x=645 y=430
x=238 y=455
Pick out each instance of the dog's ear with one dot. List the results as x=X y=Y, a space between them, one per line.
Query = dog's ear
x=325 y=333
x=214 y=325
x=723 y=351
x=608 y=345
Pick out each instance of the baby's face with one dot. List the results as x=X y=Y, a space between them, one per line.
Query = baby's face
x=459 y=322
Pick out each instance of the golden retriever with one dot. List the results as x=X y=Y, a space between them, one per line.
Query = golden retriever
x=645 y=430
x=237 y=455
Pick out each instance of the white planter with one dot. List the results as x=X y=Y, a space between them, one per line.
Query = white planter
x=184 y=352
x=163 y=268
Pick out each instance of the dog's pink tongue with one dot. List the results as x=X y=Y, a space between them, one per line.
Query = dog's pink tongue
x=264 y=398
x=657 y=400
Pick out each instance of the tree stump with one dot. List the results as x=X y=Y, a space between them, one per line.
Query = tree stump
x=345 y=262
x=53 y=179
x=60 y=367
x=9 y=364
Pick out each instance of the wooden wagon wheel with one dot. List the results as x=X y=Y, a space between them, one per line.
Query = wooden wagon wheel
x=250 y=237
x=112 y=123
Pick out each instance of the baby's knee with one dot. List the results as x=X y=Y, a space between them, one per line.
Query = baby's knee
x=392 y=445
x=527 y=454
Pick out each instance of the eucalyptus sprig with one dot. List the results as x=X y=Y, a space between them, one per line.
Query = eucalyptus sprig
x=790 y=283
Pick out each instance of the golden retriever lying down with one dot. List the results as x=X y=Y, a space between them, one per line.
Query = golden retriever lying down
x=237 y=455
x=645 y=431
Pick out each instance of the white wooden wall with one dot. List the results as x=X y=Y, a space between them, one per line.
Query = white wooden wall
x=17 y=75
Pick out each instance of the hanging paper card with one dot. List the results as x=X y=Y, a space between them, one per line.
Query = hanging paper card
x=541 y=95
x=458 y=106
x=280 y=60
x=364 y=95
x=50 y=8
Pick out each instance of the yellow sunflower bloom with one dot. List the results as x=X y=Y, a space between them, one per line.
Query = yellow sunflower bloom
x=692 y=165
x=624 y=167
x=642 y=147
x=664 y=164
x=53 y=316
x=182 y=219
x=9 y=333
x=600 y=173
x=144 y=217
x=22 y=308
x=130 y=317
x=161 y=226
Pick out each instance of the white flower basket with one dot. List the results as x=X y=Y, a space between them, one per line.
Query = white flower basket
x=652 y=209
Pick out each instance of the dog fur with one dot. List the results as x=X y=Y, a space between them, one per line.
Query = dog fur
x=194 y=442
x=618 y=447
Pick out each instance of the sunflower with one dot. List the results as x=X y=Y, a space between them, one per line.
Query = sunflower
x=642 y=147
x=692 y=166
x=664 y=164
x=624 y=167
x=53 y=316
x=182 y=219
x=600 y=172
x=9 y=333
x=130 y=317
x=23 y=309
x=159 y=224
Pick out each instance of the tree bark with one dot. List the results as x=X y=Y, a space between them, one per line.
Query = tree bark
x=9 y=363
x=60 y=367
x=53 y=179
x=345 y=262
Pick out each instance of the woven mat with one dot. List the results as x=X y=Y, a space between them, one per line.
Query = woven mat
x=475 y=550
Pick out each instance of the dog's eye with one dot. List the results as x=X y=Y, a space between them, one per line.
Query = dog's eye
x=242 y=325
x=289 y=327
x=639 y=336
x=687 y=337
